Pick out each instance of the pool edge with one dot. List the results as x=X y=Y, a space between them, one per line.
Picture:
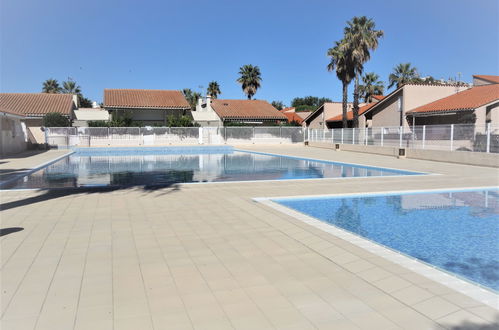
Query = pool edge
x=466 y=287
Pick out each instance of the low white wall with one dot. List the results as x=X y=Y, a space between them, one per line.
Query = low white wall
x=460 y=157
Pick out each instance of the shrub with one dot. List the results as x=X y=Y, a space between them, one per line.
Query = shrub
x=56 y=119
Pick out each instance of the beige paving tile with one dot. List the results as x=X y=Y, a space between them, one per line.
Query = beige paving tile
x=435 y=307
x=135 y=259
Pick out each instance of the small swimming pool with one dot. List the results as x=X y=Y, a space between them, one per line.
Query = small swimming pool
x=456 y=231
x=121 y=167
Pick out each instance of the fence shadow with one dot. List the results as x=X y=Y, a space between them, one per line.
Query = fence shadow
x=10 y=230
x=166 y=188
x=467 y=325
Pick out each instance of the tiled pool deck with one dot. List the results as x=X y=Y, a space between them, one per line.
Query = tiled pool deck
x=209 y=257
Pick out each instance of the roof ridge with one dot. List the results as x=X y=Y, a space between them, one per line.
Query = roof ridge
x=141 y=89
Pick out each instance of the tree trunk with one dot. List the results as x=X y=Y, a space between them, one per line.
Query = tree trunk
x=345 y=100
x=356 y=102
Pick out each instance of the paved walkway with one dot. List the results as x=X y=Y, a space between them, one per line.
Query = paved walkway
x=208 y=257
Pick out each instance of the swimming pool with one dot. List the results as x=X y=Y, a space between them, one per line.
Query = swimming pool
x=117 y=167
x=456 y=231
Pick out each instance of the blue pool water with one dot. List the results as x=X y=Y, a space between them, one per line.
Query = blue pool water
x=455 y=231
x=166 y=165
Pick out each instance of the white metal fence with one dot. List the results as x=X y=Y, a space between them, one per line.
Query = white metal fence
x=156 y=136
x=435 y=137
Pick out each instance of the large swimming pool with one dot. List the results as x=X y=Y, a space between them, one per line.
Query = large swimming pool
x=90 y=167
x=457 y=231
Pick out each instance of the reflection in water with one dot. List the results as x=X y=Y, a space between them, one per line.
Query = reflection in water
x=456 y=231
x=129 y=170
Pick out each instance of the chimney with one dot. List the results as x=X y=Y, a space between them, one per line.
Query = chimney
x=75 y=100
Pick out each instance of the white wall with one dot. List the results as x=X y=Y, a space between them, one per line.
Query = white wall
x=12 y=135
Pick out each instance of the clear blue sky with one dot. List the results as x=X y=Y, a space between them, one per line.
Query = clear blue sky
x=185 y=44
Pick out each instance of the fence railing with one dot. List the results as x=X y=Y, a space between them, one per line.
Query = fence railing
x=156 y=136
x=484 y=138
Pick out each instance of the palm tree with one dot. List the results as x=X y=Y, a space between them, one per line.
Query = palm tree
x=361 y=38
x=250 y=79
x=214 y=89
x=403 y=73
x=70 y=87
x=51 y=86
x=345 y=71
x=371 y=85
x=278 y=105
x=191 y=97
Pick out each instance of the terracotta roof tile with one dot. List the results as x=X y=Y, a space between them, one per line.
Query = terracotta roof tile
x=36 y=104
x=466 y=100
x=144 y=98
x=293 y=116
x=350 y=113
x=492 y=79
x=246 y=109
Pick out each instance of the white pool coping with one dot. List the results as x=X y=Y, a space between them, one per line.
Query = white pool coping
x=438 y=275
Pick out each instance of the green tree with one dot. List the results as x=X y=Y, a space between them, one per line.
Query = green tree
x=70 y=87
x=182 y=121
x=56 y=119
x=278 y=105
x=250 y=78
x=312 y=101
x=403 y=73
x=191 y=97
x=341 y=63
x=51 y=86
x=84 y=102
x=371 y=85
x=361 y=38
x=214 y=89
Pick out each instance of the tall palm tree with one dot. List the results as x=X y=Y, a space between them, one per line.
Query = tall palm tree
x=361 y=38
x=250 y=78
x=403 y=73
x=371 y=85
x=51 y=86
x=70 y=87
x=341 y=63
x=214 y=89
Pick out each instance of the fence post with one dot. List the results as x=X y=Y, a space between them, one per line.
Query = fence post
x=200 y=138
x=451 y=137
x=488 y=138
x=424 y=136
x=382 y=135
x=108 y=137
x=353 y=135
x=401 y=128
x=342 y=135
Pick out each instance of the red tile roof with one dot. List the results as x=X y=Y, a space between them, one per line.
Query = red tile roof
x=293 y=116
x=469 y=99
x=36 y=104
x=492 y=79
x=145 y=98
x=350 y=113
x=246 y=109
x=378 y=97
x=12 y=112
